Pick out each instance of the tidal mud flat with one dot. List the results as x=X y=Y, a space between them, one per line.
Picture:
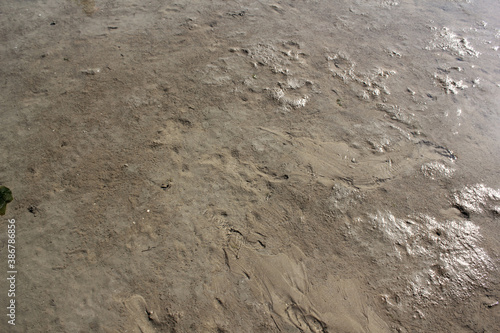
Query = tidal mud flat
x=240 y=166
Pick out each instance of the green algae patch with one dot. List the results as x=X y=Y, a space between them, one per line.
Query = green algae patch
x=5 y=198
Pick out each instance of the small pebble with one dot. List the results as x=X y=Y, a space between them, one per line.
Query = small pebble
x=492 y=304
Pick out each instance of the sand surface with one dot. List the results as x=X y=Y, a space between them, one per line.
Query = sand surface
x=251 y=166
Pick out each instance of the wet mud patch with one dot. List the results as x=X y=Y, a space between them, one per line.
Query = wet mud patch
x=450 y=85
x=447 y=261
x=271 y=70
x=477 y=199
x=437 y=170
x=447 y=40
x=367 y=85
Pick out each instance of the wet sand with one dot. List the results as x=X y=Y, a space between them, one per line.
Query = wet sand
x=231 y=166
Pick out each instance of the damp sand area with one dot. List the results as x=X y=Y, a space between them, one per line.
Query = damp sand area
x=251 y=166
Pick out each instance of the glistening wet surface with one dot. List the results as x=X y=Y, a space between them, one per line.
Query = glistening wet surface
x=257 y=166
